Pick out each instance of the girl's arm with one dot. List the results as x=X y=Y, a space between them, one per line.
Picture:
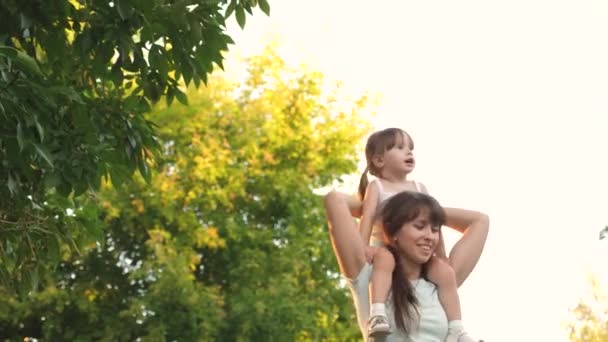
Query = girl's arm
x=467 y=251
x=370 y=204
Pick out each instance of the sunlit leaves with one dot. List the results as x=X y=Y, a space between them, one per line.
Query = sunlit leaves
x=227 y=241
x=76 y=78
x=589 y=321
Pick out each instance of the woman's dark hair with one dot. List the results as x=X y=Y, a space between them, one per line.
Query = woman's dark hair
x=398 y=210
x=378 y=143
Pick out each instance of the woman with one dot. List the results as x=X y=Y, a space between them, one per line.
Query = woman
x=411 y=226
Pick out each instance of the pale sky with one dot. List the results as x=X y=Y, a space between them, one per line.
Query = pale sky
x=508 y=105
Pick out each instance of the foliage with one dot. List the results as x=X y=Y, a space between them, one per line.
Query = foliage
x=228 y=240
x=76 y=77
x=590 y=317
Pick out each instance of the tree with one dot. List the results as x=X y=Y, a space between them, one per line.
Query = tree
x=76 y=77
x=590 y=317
x=228 y=241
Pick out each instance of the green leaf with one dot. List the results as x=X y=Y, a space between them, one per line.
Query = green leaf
x=64 y=189
x=20 y=136
x=124 y=11
x=240 y=17
x=170 y=96
x=117 y=75
x=604 y=233
x=12 y=184
x=264 y=6
x=39 y=128
x=230 y=9
x=144 y=169
x=181 y=97
x=44 y=153
x=52 y=179
x=80 y=187
x=8 y=52
x=196 y=28
x=27 y=63
x=34 y=278
x=247 y=7
x=54 y=248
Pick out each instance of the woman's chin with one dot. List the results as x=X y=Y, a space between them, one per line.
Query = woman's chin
x=423 y=258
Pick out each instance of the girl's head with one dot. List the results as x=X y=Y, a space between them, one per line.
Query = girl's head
x=387 y=151
x=411 y=223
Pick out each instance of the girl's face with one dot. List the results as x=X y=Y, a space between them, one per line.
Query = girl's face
x=417 y=239
x=400 y=158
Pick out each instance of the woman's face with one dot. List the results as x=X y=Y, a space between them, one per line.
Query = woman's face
x=417 y=239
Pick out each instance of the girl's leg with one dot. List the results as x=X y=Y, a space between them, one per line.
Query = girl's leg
x=379 y=287
x=382 y=276
x=346 y=240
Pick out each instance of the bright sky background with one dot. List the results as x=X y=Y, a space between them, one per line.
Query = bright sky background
x=508 y=105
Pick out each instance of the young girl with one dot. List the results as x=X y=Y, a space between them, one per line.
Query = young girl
x=390 y=159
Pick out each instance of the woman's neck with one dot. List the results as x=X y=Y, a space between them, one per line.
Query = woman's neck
x=413 y=271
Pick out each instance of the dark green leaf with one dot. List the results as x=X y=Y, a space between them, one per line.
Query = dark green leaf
x=247 y=7
x=170 y=96
x=34 y=278
x=144 y=169
x=230 y=9
x=181 y=97
x=27 y=63
x=54 y=248
x=123 y=8
x=12 y=184
x=20 y=136
x=39 y=128
x=52 y=179
x=8 y=52
x=44 y=153
x=117 y=75
x=240 y=16
x=264 y=6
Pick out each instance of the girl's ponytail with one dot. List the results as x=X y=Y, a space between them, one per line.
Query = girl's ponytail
x=363 y=184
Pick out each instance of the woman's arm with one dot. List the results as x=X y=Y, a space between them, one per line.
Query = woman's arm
x=352 y=202
x=346 y=241
x=466 y=252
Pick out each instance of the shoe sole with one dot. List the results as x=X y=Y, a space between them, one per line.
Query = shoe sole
x=379 y=333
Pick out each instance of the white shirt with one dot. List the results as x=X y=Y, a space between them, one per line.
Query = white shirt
x=433 y=323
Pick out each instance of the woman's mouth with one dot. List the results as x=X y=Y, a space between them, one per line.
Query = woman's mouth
x=426 y=247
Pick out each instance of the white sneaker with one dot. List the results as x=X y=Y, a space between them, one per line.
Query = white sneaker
x=378 y=326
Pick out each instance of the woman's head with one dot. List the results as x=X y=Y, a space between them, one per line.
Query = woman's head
x=387 y=150
x=411 y=222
